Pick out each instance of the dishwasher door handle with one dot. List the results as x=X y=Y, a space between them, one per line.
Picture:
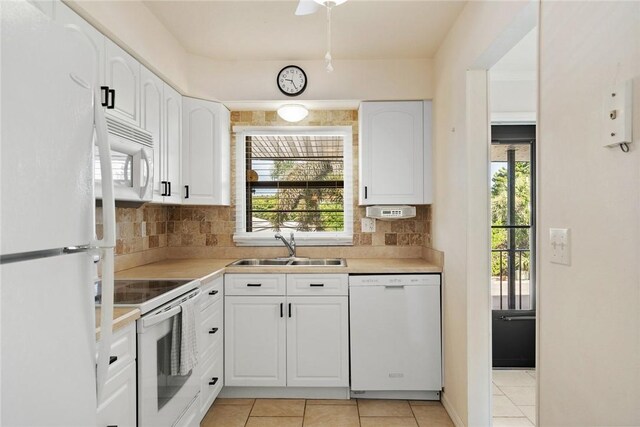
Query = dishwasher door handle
x=394 y=286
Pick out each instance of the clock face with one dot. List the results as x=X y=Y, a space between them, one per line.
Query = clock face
x=292 y=81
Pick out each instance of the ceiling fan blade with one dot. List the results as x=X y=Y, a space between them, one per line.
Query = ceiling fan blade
x=307 y=7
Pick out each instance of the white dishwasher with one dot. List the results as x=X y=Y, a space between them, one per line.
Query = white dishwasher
x=395 y=336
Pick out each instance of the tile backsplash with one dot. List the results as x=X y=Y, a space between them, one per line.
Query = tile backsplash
x=203 y=231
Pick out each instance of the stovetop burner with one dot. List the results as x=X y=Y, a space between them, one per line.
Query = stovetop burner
x=140 y=292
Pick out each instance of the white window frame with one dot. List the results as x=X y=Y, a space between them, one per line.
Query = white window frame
x=303 y=238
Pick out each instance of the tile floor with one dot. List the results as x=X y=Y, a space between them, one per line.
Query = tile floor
x=325 y=413
x=514 y=398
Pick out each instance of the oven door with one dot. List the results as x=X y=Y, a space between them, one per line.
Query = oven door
x=132 y=166
x=162 y=397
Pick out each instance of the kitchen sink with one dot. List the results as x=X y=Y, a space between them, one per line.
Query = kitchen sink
x=309 y=262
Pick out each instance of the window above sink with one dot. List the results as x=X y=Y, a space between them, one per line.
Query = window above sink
x=294 y=179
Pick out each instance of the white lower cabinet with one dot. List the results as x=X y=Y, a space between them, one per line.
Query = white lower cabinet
x=210 y=341
x=318 y=341
x=255 y=341
x=118 y=407
x=293 y=341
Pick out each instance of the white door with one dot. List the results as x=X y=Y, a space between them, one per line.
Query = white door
x=255 y=341
x=151 y=119
x=205 y=152
x=392 y=153
x=172 y=141
x=122 y=74
x=318 y=341
x=47 y=133
x=48 y=341
x=395 y=337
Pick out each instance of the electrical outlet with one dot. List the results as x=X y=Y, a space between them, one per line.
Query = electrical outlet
x=368 y=225
x=560 y=245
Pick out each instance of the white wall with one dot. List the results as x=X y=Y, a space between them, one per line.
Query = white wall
x=480 y=35
x=589 y=368
x=351 y=79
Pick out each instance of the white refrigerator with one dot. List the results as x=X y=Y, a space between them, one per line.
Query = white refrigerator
x=50 y=126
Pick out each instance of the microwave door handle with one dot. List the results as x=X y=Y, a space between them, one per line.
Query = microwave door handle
x=147 y=166
x=106 y=244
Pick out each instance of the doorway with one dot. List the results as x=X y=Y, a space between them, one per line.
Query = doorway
x=512 y=246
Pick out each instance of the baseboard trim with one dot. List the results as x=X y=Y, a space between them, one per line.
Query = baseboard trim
x=286 y=392
x=457 y=421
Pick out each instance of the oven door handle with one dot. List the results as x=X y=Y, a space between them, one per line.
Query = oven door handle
x=164 y=315
x=160 y=317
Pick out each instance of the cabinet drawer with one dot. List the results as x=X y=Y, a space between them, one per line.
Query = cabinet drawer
x=211 y=380
x=191 y=417
x=254 y=284
x=123 y=349
x=317 y=284
x=119 y=406
x=211 y=329
x=211 y=291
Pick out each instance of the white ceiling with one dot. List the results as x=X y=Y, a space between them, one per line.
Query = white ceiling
x=269 y=30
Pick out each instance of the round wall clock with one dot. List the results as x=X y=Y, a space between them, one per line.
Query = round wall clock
x=292 y=80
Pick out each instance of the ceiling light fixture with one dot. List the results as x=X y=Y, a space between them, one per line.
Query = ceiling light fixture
x=293 y=112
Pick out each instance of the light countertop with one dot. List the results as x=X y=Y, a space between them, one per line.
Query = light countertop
x=122 y=316
x=196 y=268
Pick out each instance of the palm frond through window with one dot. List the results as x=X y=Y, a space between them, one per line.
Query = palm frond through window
x=294 y=183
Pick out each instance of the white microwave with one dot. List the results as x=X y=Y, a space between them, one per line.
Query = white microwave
x=131 y=162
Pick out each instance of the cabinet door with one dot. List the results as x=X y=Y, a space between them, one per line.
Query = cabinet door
x=119 y=407
x=254 y=341
x=83 y=30
x=123 y=74
x=151 y=120
x=318 y=341
x=392 y=153
x=206 y=160
x=172 y=144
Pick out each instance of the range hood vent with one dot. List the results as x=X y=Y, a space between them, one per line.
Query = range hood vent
x=128 y=131
x=387 y=213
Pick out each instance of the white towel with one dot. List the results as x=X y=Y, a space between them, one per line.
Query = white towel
x=184 y=347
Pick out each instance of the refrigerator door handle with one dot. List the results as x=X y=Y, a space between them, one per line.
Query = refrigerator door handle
x=106 y=245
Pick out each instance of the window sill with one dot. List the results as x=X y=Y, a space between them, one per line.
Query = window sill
x=267 y=239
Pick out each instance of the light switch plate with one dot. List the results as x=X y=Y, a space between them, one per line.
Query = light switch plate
x=560 y=246
x=368 y=225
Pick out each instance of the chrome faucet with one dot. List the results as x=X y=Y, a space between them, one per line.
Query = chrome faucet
x=291 y=245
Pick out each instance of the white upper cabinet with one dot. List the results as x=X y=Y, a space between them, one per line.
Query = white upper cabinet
x=85 y=31
x=151 y=92
x=122 y=73
x=205 y=151
x=172 y=144
x=395 y=153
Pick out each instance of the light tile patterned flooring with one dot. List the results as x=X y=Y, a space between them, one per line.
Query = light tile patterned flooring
x=325 y=413
x=514 y=398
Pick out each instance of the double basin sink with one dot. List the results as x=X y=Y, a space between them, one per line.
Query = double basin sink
x=282 y=262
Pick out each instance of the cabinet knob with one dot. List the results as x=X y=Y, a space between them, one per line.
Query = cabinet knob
x=112 y=359
x=186 y=191
x=213 y=330
x=316 y=284
x=213 y=292
x=254 y=284
x=213 y=381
